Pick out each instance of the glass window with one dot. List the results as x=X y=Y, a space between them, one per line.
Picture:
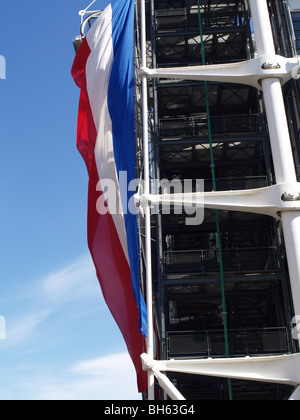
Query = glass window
x=296 y=15
x=296 y=24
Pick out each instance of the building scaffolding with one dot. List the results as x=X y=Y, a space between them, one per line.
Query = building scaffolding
x=186 y=286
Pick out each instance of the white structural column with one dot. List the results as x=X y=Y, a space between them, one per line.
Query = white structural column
x=280 y=142
x=150 y=339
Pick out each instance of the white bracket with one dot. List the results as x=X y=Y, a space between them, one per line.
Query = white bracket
x=249 y=72
x=270 y=201
x=273 y=369
x=150 y=365
x=84 y=12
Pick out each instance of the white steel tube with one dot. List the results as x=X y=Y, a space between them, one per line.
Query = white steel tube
x=291 y=231
x=283 y=160
x=295 y=395
x=150 y=339
x=262 y=28
x=167 y=386
x=280 y=142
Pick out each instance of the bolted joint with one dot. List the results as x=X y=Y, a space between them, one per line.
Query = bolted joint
x=144 y=72
x=141 y=201
x=271 y=65
x=290 y=196
x=148 y=362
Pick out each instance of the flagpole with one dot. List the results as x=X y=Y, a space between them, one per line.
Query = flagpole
x=150 y=339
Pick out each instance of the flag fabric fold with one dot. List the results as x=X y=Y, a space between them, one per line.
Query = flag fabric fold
x=104 y=71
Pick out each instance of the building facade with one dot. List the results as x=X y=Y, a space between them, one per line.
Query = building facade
x=221 y=288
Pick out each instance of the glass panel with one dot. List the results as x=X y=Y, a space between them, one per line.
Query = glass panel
x=296 y=24
x=296 y=15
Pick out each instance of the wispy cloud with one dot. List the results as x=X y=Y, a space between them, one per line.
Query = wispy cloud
x=103 y=366
x=44 y=297
x=105 y=378
x=60 y=309
x=22 y=328
x=71 y=282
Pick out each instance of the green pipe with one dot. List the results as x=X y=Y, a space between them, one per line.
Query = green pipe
x=216 y=211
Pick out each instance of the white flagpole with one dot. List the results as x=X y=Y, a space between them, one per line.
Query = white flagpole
x=150 y=339
x=280 y=142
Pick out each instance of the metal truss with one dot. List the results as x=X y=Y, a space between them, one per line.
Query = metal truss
x=274 y=369
x=271 y=201
x=251 y=72
x=267 y=72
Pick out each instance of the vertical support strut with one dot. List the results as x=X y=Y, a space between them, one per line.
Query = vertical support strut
x=150 y=339
x=280 y=142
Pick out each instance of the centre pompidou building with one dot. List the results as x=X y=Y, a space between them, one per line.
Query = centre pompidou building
x=217 y=99
x=221 y=289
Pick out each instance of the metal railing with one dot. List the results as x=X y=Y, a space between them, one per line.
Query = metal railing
x=187 y=18
x=236 y=261
x=237 y=183
x=244 y=342
x=221 y=125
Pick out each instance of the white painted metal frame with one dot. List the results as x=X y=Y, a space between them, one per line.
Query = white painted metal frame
x=86 y=11
x=249 y=72
x=270 y=201
x=268 y=72
x=147 y=214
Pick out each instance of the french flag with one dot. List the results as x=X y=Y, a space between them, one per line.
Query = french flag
x=104 y=71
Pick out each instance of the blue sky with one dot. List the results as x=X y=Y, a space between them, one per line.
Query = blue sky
x=62 y=342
